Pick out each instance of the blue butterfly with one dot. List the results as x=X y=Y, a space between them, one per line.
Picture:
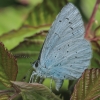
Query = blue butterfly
x=65 y=53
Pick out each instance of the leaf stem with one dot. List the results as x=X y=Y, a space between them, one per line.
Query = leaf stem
x=6 y=91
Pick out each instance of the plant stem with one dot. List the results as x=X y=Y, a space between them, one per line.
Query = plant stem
x=13 y=96
x=91 y=19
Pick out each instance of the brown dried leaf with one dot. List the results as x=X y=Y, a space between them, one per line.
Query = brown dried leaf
x=35 y=91
x=88 y=86
x=8 y=66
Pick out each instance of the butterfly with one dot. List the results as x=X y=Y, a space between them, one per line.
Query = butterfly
x=65 y=53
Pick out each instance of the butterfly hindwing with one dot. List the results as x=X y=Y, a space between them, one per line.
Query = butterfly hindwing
x=71 y=56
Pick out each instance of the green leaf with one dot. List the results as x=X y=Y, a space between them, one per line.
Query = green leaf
x=45 y=13
x=30 y=2
x=26 y=52
x=12 y=18
x=35 y=91
x=13 y=38
x=8 y=66
x=87 y=9
x=88 y=86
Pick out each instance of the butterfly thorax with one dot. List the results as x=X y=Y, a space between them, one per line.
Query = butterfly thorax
x=41 y=70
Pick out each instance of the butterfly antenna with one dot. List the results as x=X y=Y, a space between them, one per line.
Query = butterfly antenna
x=24 y=56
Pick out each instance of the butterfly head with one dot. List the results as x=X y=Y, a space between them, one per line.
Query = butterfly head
x=35 y=65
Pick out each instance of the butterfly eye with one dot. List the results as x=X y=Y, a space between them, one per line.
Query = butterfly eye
x=36 y=64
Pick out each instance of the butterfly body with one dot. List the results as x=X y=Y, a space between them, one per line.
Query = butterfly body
x=65 y=53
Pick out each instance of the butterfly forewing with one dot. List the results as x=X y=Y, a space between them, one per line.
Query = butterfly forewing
x=68 y=25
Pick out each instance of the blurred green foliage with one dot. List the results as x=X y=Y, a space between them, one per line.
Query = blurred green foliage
x=24 y=24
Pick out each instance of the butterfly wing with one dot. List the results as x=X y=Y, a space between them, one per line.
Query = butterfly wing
x=65 y=53
x=67 y=26
x=72 y=58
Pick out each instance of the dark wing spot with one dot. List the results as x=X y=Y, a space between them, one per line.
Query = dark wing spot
x=67 y=51
x=68 y=45
x=67 y=18
x=59 y=20
x=70 y=23
x=71 y=28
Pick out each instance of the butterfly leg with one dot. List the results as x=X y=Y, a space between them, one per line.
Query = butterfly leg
x=32 y=76
x=51 y=84
x=41 y=80
x=36 y=78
